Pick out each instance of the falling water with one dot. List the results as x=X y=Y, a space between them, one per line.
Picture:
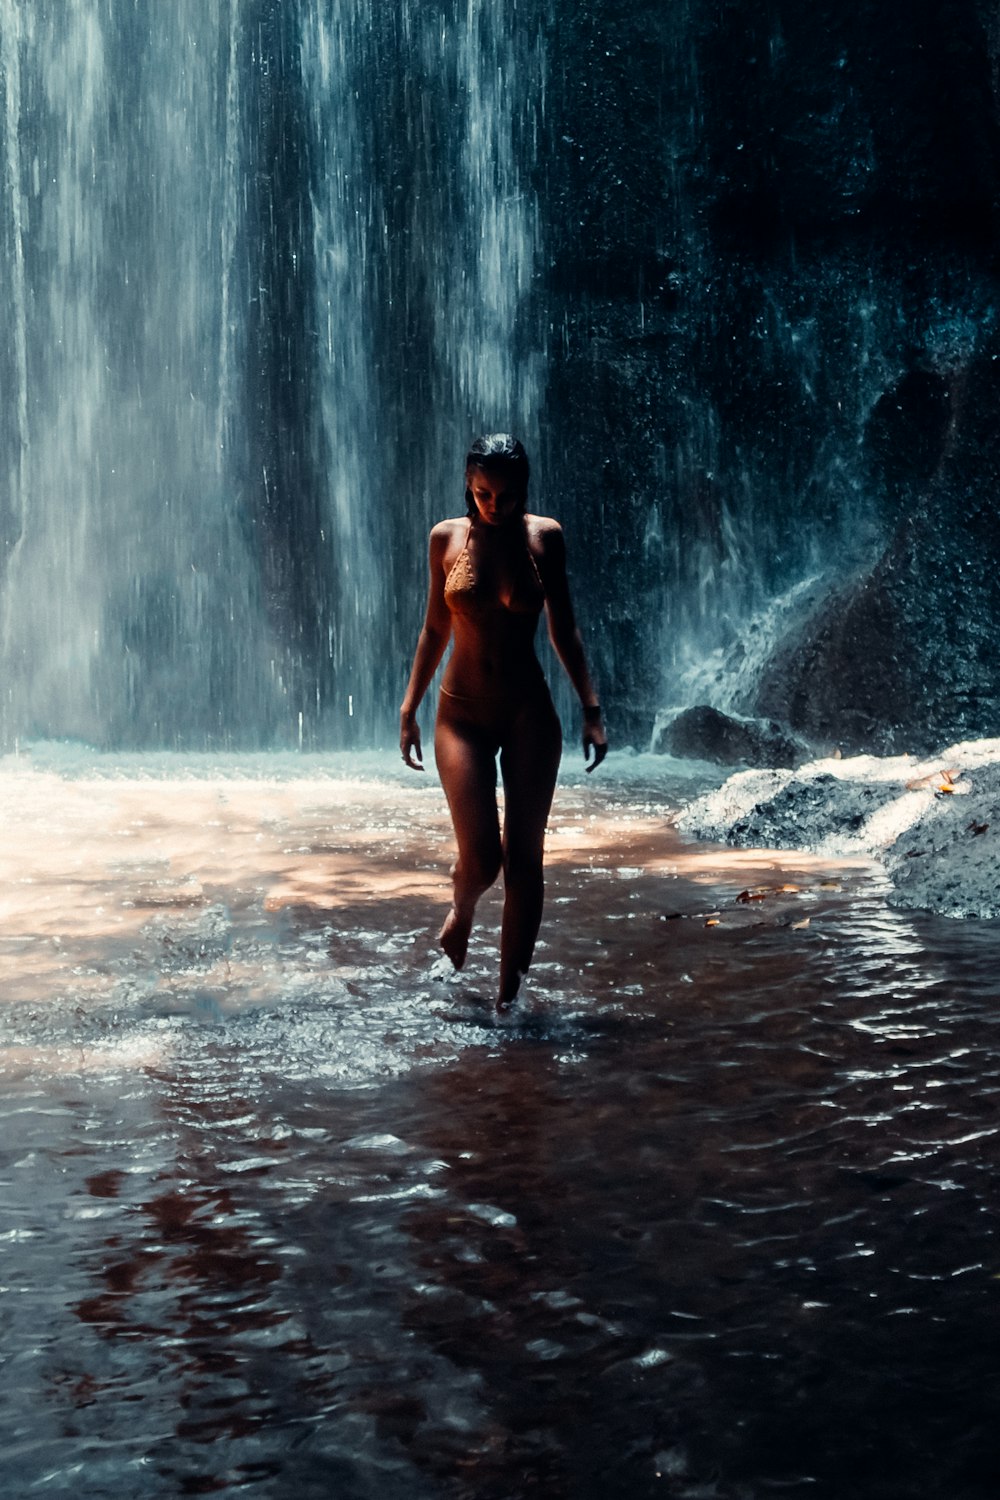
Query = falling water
x=344 y=216
x=270 y=268
x=241 y=397
x=494 y=255
x=228 y=331
x=11 y=78
x=130 y=608
x=425 y=242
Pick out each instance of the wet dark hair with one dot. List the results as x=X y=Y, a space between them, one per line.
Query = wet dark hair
x=499 y=453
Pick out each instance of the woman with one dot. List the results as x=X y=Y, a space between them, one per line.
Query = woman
x=491 y=574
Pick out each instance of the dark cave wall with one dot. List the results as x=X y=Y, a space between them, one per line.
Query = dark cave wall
x=772 y=274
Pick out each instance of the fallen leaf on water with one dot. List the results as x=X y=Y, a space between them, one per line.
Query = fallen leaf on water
x=713 y=922
x=830 y=885
x=798 y=926
x=941 y=781
x=761 y=892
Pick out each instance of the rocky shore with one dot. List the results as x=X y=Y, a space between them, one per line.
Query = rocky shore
x=933 y=823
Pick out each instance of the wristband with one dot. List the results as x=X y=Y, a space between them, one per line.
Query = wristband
x=592 y=714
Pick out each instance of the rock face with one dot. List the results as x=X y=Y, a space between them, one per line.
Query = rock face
x=774 y=284
x=704 y=733
x=949 y=861
x=828 y=806
x=905 y=655
x=934 y=824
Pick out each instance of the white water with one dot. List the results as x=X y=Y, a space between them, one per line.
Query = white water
x=215 y=524
x=129 y=599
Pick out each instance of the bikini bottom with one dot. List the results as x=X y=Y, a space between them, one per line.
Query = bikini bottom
x=497 y=719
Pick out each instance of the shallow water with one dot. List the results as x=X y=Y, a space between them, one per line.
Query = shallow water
x=713 y=1213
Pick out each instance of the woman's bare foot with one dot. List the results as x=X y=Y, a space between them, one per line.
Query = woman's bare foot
x=454 y=937
x=508 y=993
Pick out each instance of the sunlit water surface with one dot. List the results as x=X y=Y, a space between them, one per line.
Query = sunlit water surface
x=712 y=1214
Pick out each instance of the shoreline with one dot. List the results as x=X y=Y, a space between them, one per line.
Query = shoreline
x=931 y=823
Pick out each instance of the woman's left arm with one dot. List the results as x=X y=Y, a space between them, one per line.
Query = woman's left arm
x=567 y=641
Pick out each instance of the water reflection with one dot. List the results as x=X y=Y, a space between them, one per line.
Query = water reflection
x=713 y=1214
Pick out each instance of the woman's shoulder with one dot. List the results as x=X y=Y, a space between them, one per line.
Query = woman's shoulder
x=542 y=525
x=445 y=531
x=544 y=532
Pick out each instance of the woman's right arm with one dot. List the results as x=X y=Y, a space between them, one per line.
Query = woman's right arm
x=430 y=648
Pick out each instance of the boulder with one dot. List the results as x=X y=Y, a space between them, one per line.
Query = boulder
x=902 y=657
x=703 y=733
x=933 y=824
x=949 y=861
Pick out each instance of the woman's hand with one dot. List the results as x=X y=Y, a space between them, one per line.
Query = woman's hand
x=594 y=737
x=409 y=741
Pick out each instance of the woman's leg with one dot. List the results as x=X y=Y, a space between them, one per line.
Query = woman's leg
x=529 y=762
x=466 y=763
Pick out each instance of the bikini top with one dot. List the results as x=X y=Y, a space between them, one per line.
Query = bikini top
x=465 y=594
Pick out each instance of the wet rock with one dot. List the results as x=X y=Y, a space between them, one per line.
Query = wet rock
x=800 y=313
x=812 y=808
x=902 y=657
x=716 y=813
x=933 y=824
x=703 y=733
x=949 y=861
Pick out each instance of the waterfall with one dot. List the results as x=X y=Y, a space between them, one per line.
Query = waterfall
x=228 y=231
x=129 y=602
x=491 y=261
x=268 y=273
x=269 y=268
x=10 y=77
x=352 y=536
x=425 y=241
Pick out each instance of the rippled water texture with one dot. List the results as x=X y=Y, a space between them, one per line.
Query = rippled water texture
x=714 y=1214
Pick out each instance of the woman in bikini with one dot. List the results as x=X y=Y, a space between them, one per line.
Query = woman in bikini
x=492 y=572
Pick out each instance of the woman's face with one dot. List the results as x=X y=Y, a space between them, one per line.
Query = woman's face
x=494 y=500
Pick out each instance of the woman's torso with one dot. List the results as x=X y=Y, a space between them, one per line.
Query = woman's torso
x=494 y=592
